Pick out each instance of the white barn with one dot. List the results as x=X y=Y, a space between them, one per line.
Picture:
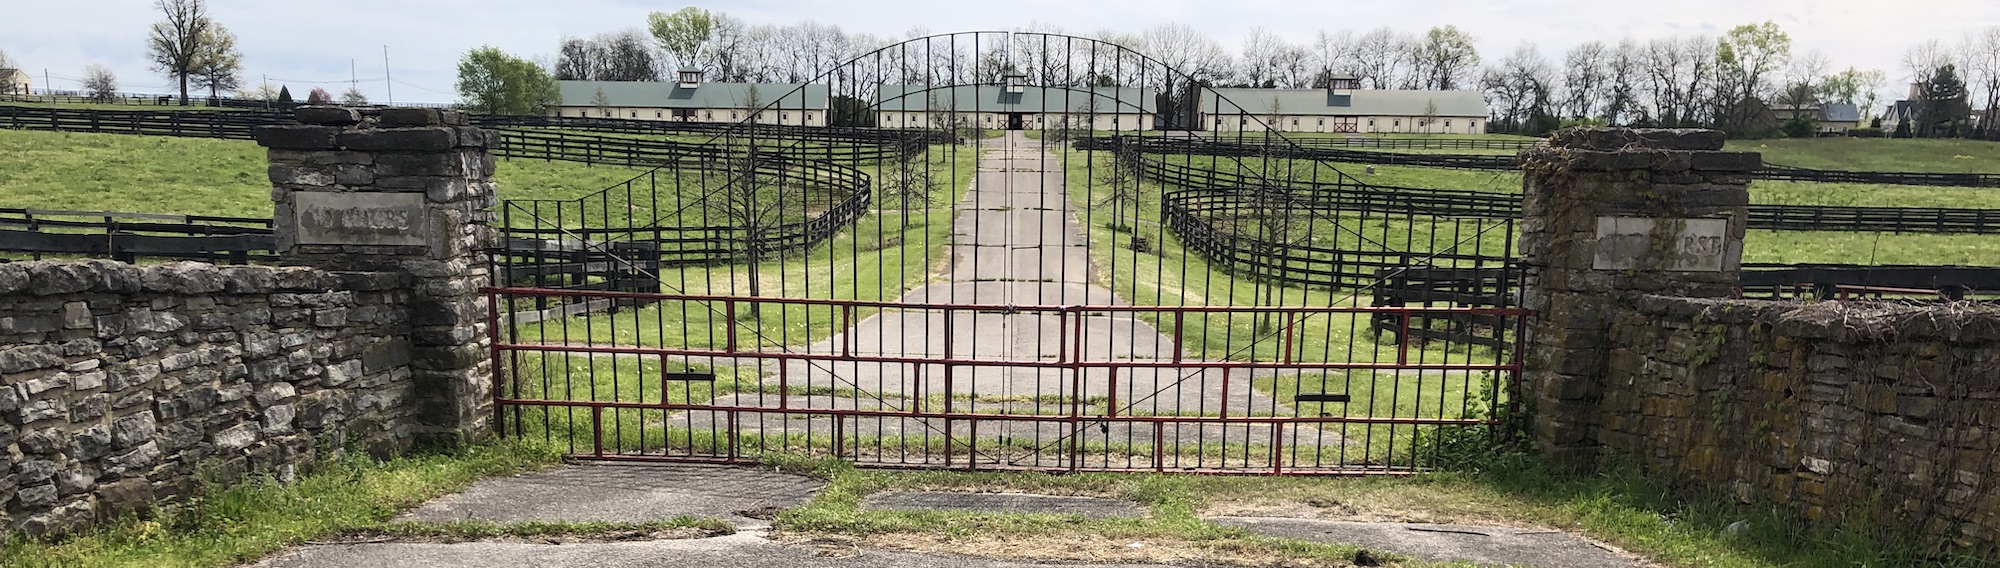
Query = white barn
x=692 y=100
x=1014 y=105
x=1344 y=108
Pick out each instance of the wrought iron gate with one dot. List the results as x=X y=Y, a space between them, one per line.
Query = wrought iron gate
x=922 y=285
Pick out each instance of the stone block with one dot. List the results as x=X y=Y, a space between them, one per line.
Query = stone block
x=1726 y=161
x=302 y=137
x=1626 y=138
x=400 y=139
x=396 y=117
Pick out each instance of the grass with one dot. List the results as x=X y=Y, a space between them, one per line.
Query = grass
x=1619 y=506
x=345 y=496
x=195 y=176
x=1878 y=154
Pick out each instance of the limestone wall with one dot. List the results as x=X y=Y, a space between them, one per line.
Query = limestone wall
x=121 y=384
x=1877 y=413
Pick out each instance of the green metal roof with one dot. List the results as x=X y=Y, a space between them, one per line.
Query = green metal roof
x=656 y=94
x=994 y=98
x=1362 y=102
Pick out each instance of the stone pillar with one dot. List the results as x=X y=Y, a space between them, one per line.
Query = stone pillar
x=1611 y=214
x=404 y=191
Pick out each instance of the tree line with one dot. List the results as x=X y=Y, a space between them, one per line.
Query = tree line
x=1734 y=81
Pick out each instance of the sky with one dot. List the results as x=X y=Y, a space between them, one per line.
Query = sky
x=307 y=44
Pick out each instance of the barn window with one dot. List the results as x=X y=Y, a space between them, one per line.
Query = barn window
x=657 y=114
x=732 y=115
x=707 y=114
x=809 y=117
x=1447 y=124
x=784 y=116
x=635 y=114
x=1371 y=122
x=1322 y=122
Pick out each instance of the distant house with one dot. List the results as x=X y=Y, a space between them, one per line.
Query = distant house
x=14 y=82
x=1899 y=113
x=689 y=99
x=1014 y=105
x=1831 y=119
x=1343 y=107
x=1839 y=118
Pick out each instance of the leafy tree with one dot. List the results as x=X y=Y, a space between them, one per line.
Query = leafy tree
x=99 y=84
x=1446 y=58
x=683 y=34
x=1745 y=59
x=319 y=96
x=493 y=82
x=353 y=97
x=1944 y=110
x=219 y=66
x=179 y=42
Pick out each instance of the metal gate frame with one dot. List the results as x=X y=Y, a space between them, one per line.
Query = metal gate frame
x=599 y=440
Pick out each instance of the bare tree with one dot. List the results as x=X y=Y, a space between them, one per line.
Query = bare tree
x=1586 y=72
x=99 y=84
x=1622 y=74
x=353 y=97
x=176 y=44
x=1264 y=55
x=1523 y=84
x=1332 y=54
x=1805 y=80
x=619 y=56
x=1982 y=71
x=1381 y=57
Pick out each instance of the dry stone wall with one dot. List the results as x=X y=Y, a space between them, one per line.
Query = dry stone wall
x=121 y=385
x=1883 y=415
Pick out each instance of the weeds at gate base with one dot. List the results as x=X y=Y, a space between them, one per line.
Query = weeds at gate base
x=228 y=525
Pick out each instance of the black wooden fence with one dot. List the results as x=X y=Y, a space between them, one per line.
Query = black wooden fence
x=36 y=233
x=1313 y=149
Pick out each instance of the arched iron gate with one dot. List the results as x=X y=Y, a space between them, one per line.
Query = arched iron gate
x=998 y=291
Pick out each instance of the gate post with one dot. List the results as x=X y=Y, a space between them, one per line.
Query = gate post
x=1611 y=214
x=406 y=192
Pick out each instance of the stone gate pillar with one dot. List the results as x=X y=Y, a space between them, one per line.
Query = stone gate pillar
x=1611 y=214
x=404 y=191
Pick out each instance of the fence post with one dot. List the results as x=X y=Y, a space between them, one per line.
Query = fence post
x=1612 y=214
x=405 y=192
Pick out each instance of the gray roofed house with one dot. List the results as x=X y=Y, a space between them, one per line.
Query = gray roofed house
x=695 y=101
x=1840 y=113
x=1345 y=110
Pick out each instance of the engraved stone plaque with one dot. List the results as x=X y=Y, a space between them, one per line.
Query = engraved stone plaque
x=1682 y=245
x=339 y=218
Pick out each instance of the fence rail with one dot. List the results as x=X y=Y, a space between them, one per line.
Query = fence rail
x=1320 y=150
x=131 y=236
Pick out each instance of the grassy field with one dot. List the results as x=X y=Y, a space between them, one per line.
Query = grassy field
x=115 y=172
x=1877 y=154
